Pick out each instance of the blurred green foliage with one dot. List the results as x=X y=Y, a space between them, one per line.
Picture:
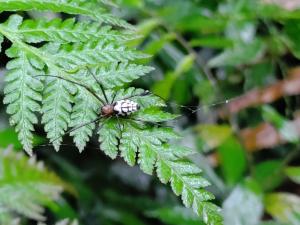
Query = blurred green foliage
x=204 y=51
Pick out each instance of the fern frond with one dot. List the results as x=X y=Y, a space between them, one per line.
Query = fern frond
x=23 y=94
x=88 y=8
x=66 y=31
x=109 y=135
x=81 y=55
x=25 y=185
x=57 y=108
x=85 y=110
x=118 y=74
x=185 y=178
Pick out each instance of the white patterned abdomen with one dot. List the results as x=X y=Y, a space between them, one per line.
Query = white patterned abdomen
x=125 y=107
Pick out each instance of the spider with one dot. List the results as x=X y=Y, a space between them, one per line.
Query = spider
x=121 y=108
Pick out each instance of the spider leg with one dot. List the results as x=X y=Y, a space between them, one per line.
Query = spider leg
x=74 y=82
x=99 y=83
x=146 y=122
x=78 y=127
x=138 y=95
x=113 y=99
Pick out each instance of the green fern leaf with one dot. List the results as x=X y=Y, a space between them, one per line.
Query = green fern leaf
x=109 y=135
x=147 y=158
x=25 y=185
x=65 y=31
x=82 y=55
x=89 y=8
x=85 y=110
x=23 y=95
x=129 y=144
x=57 y=109
x=117 y=74
x=185 y=177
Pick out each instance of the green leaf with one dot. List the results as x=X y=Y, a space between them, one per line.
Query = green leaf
x=233 y=160
x=129 y=144
x=240 y=54
x=269 y=174
x=164 y=172
x=164 y=87
x=57 y=109
x=89 y=8
x=147 y=158
x=91 y=54
x=284 y=207
x=293 y=173
x=23 y=95
x=65 y=31
x=109 y=134
x=158 y=43
x=292 y=30
x=184 y=176
x=84 y=111
x=118 y=74
x=196 y=22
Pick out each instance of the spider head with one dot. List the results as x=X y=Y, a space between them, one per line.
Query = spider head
x=107 y=110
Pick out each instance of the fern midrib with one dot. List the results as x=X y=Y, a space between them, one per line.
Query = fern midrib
x=160 y=157
x=178 y=175
x=55 y=115
x=23 y=83
x=71 y=32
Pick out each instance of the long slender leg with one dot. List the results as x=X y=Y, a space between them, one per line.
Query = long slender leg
x=113 y=98
x=78 y=127
x=79 y=84
x=144 y=121
x=99 y=83
x=138 y=95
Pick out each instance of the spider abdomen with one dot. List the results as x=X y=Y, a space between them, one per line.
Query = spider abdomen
x=125 y=107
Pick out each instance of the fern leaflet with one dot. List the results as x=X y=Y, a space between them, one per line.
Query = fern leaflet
x=65 y=31
x=23 y=95
x=91 y=9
